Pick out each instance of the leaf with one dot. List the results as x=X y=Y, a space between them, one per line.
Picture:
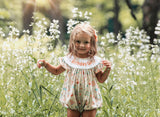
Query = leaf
x=108 y=102
x=111 y=88
x=26 y=77
x=10 y=65
x=46 y=89
x=112 y=101
x=35 y=60
x=35 y=97
x=102 y=85
x=2 y=98
x=40 y=87
x=53 y=103
x=106 y=113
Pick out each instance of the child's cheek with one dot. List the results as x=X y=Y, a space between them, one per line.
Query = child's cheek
x=76 y=45
x=88 y=46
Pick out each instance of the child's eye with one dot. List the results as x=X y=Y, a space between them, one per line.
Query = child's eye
x=78 y=41
x=86 y=42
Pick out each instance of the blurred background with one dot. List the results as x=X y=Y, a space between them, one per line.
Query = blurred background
x=107 y=15
x=128 y=36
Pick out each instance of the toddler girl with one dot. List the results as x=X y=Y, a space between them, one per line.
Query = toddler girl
x=80 y=93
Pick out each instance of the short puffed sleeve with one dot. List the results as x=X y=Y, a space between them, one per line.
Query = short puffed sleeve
x=98 y=67
x=63 y=63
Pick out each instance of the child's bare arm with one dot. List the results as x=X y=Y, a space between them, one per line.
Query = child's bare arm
x=56 y=70
x=102 y=76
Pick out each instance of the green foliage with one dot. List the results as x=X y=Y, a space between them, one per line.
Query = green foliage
x=103 y=12
x=5 y=20
x=10 y=13
x=133 y=86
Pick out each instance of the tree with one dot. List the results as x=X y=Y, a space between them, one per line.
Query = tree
x=150 y=17
x=117 y=24
x=28 y=10
x=51 y=12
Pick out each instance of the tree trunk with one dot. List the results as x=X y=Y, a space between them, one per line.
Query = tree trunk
x=117 y=24
x=28 y=10
x=150 y=17
x=53 y=12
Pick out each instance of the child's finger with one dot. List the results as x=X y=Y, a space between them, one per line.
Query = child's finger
x=39 y=66
x=40 y=63
x=106 y=62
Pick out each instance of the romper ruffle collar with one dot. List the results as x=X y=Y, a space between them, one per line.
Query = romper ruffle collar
x=82 y=63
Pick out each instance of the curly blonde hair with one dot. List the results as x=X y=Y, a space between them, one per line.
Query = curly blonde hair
x=88 y=29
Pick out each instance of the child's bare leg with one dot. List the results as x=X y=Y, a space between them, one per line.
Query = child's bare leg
x=73 y=113
x=89 y=113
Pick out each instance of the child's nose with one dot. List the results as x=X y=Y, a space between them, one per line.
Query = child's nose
x=81 y=45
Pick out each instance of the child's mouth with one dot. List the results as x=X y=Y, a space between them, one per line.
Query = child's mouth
x=82 y=49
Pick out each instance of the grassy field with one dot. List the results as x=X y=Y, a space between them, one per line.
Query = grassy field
x=132 y=89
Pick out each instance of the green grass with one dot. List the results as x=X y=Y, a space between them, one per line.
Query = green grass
x=132 y=89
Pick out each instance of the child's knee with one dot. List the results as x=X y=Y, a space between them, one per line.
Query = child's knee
x=73 y=113
x=89 y=113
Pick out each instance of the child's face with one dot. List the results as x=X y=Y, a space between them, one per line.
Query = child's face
x=82 y=44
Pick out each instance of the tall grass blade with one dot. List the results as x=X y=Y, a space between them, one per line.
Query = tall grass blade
x=53 y=103
x=35 y=97
x=106 y=113
x=42 y=87
x=111 y=88
x=25 y=76
x=108 y=102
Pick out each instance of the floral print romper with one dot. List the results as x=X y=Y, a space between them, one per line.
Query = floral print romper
x=80 y=90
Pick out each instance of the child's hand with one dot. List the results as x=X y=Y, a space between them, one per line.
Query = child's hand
x=107 y=64
x=41 y=63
